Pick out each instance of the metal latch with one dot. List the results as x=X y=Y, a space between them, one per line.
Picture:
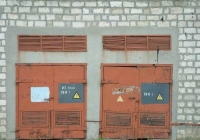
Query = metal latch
x=48 y=98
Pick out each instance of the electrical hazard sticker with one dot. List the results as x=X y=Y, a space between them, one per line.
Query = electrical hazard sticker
x=120 y=99
x=76 y=96
x=159 y=98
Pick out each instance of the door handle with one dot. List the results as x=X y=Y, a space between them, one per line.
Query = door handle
x=48 y=98
x=131 y=97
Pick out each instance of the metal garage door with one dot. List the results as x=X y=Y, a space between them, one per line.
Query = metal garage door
x=50 y=101
x=136 y=101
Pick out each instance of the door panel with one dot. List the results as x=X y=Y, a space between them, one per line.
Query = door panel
x=136 y=101
x=119 y=102
x=40 y=115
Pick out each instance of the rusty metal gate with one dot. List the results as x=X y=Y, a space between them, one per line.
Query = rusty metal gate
x=50 y=101
x=136 y=101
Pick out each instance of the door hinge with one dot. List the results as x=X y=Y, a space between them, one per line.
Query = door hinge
x=109 y=82
x=23 y=81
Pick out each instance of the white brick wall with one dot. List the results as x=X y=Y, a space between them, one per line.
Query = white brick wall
x=184 y=15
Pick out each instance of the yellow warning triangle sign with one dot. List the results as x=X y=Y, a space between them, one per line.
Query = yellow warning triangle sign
x=120 y=99
x=159 y=97
x=76 y=96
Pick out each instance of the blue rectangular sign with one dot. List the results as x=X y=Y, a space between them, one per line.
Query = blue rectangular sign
x=155 y=93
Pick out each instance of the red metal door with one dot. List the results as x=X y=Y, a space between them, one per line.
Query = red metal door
x=43 y=108
x=119 y=102
x=136 y=101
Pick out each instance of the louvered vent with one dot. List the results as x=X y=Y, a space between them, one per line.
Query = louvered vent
x=67 y=118
x=34 y=118
x=159 y=42
x=118 y=119
x=141 y=43
x=52 y=43
x=152 y=119
x=114 y=42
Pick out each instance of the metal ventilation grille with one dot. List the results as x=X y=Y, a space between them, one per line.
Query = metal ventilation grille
x=75 y=43
x=118 y=119
x=136 y=43
x=52 y=43
x=29 y=43
x=34 y=118
x=67 y=118
x=114 y=42
x=140 y=43
x=152 y=119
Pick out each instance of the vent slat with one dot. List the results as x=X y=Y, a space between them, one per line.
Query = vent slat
x=152 y=119
x=136 y=42
x=67 y=118
x=118 y=119
x=34 y=118
x=55 y=43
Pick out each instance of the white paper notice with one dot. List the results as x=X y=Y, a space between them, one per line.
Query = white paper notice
x=39 y=94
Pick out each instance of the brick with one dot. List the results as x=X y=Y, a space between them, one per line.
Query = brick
x=190 y=30
x=176 y=10
x=171 y=17
x=78 y=4
x=182 y=37
x=197 y=91
x=32 y=17
x=196 y=77
x=2 y=76
x=102 y=3
x=197 y=64
x=141 y=4
x=39 y=3
x=197 y=50
x=7 y=9
x=26 y=3
x=188 y=10
x=12 y=2
x=156 y=10
x=197 y=36
x=58 y=24
x=154 y=3
x=189 y=110
x=68 y=17
x=90 y=4
x=78 y=24
x=181 y=117
x=181 y=50
x=190 y=17
x=143 y=17
x=136 y=11
x=155 y=17
x=3 y=16
x=197 y=118
x=189 y=57
x=116 y=4
x=24 y=9
x=197 y=10
x=189 y=43
x=117 y=11
x=50 y=17
x=2 y=22
x=133 y=17
x=2 y=102
x=21 y=23
x=114 y=17
x=197 y=24
x=179 y=110
x=98 y=10
x=40 y=23
x=2 y=89
x=30 y=23
x=88 y=17
x=57 y=10
x=167 y=3
x=12 y=16
x=189 y=84
x=86 y=11
x=189 y=70
x=128 y=4
x=104 y=24
x=52 y=3
x=76 y=11
x=3 y=3
x=142 y=23
x=64 y=4
x=2 y=129
x=43 y=10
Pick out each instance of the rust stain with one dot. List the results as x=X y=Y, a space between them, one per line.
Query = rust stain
x=38 y=134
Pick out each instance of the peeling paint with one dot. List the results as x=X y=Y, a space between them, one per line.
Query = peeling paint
x=125 y=90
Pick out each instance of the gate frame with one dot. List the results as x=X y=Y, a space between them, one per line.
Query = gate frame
x=133 y=65
x=49 y=64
